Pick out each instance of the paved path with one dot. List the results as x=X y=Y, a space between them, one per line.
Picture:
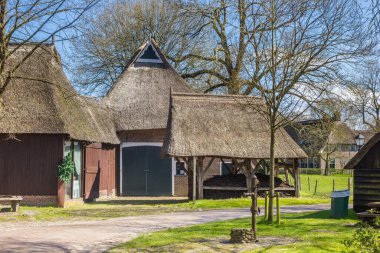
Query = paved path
x=98 y=236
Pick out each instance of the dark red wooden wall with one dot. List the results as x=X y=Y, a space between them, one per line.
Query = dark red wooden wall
x=100 y=170
x=28 y=165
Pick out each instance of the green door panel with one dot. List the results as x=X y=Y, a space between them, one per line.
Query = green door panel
x=144 y=173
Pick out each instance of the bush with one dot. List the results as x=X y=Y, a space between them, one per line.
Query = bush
x=365 y=240
x=65 y=170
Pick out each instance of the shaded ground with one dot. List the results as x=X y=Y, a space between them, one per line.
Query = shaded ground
x=98 y=236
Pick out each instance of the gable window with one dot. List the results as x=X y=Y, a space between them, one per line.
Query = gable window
x=149 y=54
x=225 y=168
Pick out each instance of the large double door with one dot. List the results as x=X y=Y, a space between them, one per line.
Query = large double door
x=144 y=173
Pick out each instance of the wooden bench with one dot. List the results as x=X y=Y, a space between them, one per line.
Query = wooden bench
x=14 y=200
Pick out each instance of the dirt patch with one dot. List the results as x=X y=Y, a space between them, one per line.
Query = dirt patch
x=219 y=244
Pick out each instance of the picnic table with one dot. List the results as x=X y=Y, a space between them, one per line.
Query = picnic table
x=13 y=200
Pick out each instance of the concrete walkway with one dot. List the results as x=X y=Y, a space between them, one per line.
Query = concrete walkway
x=98 y=236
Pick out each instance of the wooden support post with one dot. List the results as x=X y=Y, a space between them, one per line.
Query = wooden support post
x=194 y=178
x=278 y=206
x=297 y=183
x=266 y=207
x=200 y=177
x=286 y=175
x=316 y=186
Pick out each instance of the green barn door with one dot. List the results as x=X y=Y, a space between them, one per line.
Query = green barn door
x=144 y=173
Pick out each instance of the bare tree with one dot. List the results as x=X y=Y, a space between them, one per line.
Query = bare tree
x=108 y=37
x=301 y=59
x=365 y=89
x=33 y=22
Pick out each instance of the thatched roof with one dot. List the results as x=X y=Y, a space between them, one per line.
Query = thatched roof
x=140 y=96
x=362 y=152
x=40 y=99
x=223 y=126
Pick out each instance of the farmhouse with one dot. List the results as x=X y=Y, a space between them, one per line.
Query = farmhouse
x=42 y=119
x=332 y=146
x=366 y=166
x=204 y=126
x=116 y=141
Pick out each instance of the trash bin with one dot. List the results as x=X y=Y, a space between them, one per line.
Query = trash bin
x=339 y=203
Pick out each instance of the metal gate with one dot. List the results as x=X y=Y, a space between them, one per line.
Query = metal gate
x=145 y=173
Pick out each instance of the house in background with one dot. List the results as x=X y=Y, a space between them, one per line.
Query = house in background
x=334 y=143
x=43 y=119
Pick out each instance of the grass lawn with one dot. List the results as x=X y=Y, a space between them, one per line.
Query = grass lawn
x=311 y=232
x=121 y=207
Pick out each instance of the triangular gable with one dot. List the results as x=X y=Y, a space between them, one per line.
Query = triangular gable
x=149 y=54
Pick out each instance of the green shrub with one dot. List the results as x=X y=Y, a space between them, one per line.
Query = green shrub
x=365 y=240
x=65 y=170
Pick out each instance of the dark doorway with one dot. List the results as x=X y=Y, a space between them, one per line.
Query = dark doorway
x=145 y=173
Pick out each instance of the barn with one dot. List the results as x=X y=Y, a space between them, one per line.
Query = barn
x=140 y=101
x=42 y=120
x=366 y=166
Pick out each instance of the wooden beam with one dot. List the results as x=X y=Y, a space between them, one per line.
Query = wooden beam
x=194 y=178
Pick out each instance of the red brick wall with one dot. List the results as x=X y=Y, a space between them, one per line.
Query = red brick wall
x=180 y=185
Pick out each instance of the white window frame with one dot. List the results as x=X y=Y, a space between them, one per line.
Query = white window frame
x=136 y=144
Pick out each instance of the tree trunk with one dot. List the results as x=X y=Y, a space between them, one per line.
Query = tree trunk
x=327 y=167
x=271 y=176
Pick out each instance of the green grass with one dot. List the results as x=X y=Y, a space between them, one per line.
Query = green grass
x=325 y=185
x=314 y=232
x=122 y=207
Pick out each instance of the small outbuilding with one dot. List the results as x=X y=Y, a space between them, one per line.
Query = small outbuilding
x=366 y=166
x=225 y=127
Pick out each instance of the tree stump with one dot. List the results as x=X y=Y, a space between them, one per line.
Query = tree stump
x=241 y=235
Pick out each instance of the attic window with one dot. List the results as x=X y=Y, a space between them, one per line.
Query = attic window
x=149 y=55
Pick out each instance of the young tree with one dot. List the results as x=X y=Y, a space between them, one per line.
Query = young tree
x=33 y=22
x=301 y=58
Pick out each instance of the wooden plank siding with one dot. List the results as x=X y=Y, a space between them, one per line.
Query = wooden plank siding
x=366 y=188
x=28 y=165
x=100 y=170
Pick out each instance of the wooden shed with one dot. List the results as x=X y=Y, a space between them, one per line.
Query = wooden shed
x=225 y=127
x=366 y=165
x=42 y=118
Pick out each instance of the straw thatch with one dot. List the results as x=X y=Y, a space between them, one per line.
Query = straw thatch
x=40 y=99
x=363 y=152
x=223 y=126
x=140 y=96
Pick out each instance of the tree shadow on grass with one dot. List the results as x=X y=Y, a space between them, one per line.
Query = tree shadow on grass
x=326 y=214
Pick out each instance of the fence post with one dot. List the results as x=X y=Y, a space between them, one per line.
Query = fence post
x=266 y=206
x=333 y=184
x=278 y=206
x=316 y=185
x=308 y=181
